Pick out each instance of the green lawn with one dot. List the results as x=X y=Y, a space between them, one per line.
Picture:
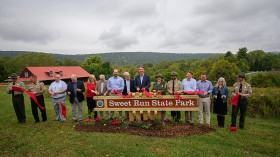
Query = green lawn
x=260 y=138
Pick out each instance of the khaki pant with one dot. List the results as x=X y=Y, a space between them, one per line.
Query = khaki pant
x=204 y=103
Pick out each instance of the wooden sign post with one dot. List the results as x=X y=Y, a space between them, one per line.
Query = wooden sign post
x=149 y=107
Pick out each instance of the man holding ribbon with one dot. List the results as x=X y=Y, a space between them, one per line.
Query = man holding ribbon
x=57 y=91
x=115 y=85
x=242 y=90
x=174 y=87
x=75 y=90
x=142 y=80
x=37 y=88
x=101 y=89
x=17 y=98
x=204 y=99
x=189 y=85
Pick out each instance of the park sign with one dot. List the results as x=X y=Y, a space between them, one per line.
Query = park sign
x=166 y=102
x=144 y=104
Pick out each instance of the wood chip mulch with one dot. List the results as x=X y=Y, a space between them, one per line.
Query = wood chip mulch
x=167 y=130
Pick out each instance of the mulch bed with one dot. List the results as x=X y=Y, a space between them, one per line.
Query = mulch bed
x=164 y=131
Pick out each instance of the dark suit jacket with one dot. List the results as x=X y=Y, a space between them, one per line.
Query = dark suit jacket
x=80 y=95
x=98 y=87
x=132 y=87
x=145 y=82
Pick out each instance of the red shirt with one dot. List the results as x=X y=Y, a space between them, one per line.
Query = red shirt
x=90 y=87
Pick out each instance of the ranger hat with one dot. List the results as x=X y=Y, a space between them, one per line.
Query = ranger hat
x=159 y=75
x=173 y=73
x=14 y=75
x=241 y=75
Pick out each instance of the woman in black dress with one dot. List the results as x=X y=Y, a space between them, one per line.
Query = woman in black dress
x=220 y=96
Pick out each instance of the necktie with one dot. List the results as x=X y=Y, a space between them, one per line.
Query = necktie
x=13 y=90
x=173 y=87
x=240 y=88
x=141 y=79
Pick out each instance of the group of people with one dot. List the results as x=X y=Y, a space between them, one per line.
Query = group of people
x=116 y=84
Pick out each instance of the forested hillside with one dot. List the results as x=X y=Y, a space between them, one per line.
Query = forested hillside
x=123 y=58
x=216 y=65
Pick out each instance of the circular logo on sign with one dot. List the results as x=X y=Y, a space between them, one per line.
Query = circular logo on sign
x=100 y=103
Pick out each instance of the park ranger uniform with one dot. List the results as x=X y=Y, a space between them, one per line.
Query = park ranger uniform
x=172 y=86
x=35 y=88
x=18 y=101
x=246 y=90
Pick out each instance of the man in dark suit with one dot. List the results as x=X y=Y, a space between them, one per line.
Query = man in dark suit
x=75 y=91
x=128 y=84
x=142 y=80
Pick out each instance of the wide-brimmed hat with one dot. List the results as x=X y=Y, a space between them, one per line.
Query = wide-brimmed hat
x=241 y=75
x=173 y=73
x=159 y=75
x=14 y=75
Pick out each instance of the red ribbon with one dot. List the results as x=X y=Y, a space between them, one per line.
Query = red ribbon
x=120 y=94
x=194 y=92
x=178 y=95
x=145 y=92
x=33 y=96
x=234 y=100
x=63 y=109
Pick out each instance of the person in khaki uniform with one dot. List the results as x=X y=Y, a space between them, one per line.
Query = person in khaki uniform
x=37 y=88
x=159 y=88
x=174 y=85
x=17 y=98
x=244 y=90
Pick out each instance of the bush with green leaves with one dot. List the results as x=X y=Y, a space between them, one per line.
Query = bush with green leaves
x=146 y=126
x=265 y=102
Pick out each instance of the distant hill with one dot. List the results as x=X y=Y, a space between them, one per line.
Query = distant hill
x=123 y=58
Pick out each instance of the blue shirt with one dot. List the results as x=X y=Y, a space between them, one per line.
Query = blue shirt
x=57 y=87
x=115 y=83
x=189 y=85
x=75 y=88
x=204 y=86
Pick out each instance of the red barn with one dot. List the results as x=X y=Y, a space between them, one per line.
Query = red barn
x=46 y=74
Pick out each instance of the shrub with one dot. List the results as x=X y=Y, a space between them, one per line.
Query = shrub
x=264 y=102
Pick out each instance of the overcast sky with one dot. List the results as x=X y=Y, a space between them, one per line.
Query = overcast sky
x=97 y=26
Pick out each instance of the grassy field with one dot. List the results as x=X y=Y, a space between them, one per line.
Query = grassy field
x=260 y=138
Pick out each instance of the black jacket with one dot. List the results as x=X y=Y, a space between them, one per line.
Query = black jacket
x=80 y=95
x=145 y=82
x=132 y=87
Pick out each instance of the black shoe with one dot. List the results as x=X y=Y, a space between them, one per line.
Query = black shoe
x=37 y=121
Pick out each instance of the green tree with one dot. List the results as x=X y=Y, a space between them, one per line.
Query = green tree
x=242 y=53
x=243 y=65
x=69 y=62
x=106 y=69
x=94 y=65
x=3 y=70
x=18 y=63
x=224 y=68
x=255 y=59
x=270 y=61
x=230 y=57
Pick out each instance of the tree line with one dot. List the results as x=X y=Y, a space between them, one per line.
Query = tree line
x=219 y=65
